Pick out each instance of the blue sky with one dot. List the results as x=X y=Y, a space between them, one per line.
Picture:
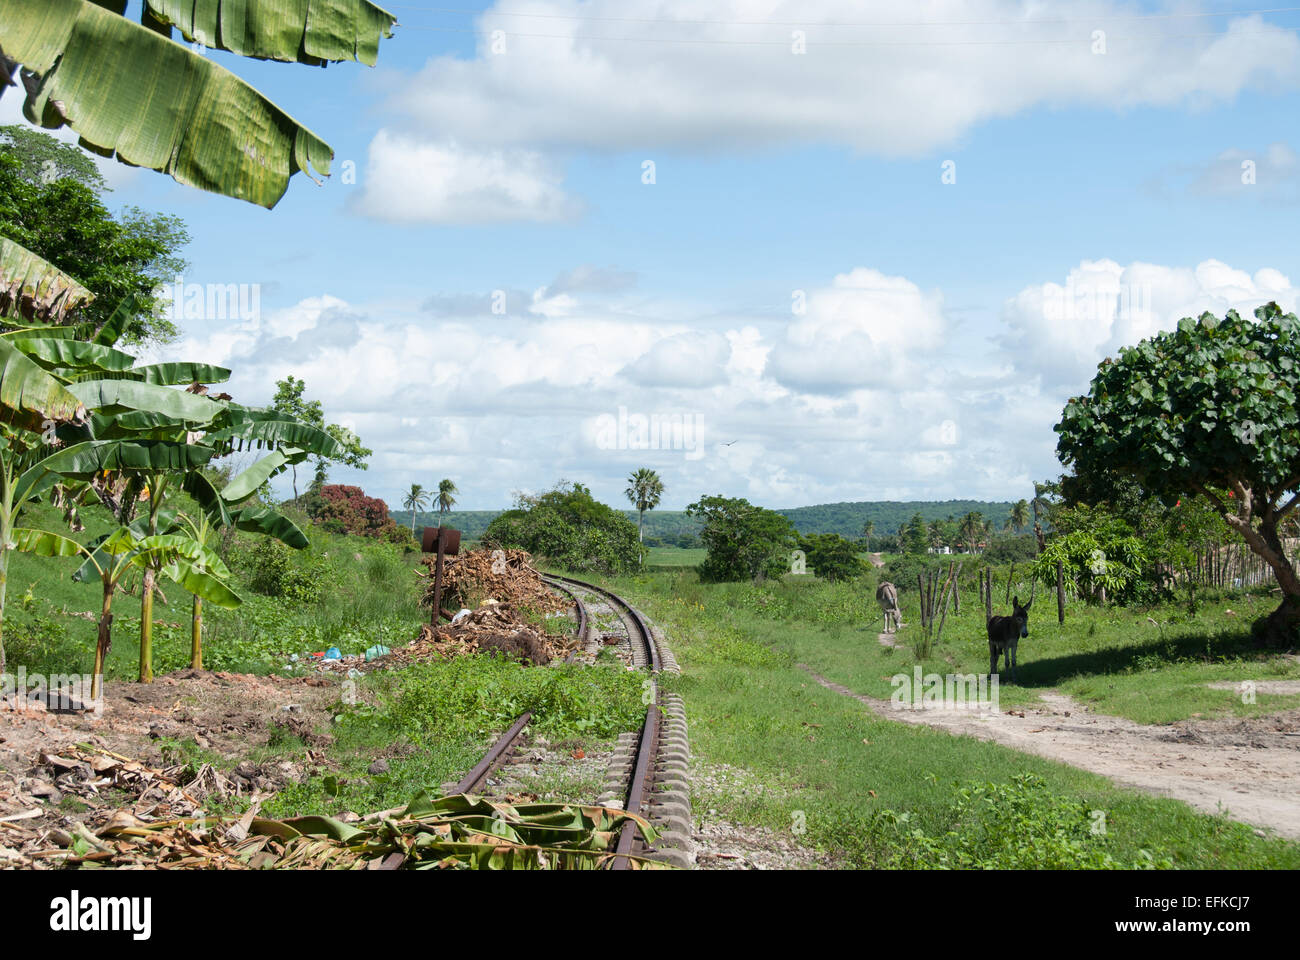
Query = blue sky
x=933 y=353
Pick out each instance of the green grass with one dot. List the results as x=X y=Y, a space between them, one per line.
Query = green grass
x=675 y=557
x=433 y=721
x=864 y=785
x=368 y=595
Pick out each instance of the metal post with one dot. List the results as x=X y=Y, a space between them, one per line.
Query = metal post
x=437 y=583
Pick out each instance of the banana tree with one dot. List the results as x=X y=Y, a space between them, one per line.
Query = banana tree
x=215 y=514
x=129 y=90
x=198 y=569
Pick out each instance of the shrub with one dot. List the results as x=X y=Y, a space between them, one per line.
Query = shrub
x=276 y=571
x=744 y=542
x=832 y=557
x=343 y=508
x=571 y=528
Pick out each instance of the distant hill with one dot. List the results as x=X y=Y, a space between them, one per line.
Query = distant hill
x=846 y=519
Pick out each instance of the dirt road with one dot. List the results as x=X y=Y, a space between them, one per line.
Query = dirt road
x=1248 y=769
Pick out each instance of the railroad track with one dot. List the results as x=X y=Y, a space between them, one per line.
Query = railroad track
x=641 y=755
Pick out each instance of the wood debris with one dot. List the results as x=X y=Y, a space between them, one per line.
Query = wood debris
x=507 y=576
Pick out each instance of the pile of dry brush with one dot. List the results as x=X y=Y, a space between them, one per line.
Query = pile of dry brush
x=504 y=585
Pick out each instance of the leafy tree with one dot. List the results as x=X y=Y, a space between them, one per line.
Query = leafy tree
x=44 y=159
x=348 y=450
x=64 y=222
x=832 y=557
x=571 y=528
x=744 y=542
x=644 y=489
x=915 y=536
x=1208 y=409
x=416 y=499
x=1105 y=562
x=129 y=89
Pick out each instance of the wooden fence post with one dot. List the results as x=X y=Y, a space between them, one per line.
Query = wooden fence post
x=1060 y=592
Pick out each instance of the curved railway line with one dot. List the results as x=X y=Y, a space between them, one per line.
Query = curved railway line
x=648 y=773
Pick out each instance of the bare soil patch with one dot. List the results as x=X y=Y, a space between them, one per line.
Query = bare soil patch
x=231 y=717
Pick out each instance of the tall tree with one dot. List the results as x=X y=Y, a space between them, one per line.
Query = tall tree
x=971 y=529
x=446 y=498
x=64 y=222
x=289 y=400
x=416 y=499
x=1019 y=515
x=645 y=489
x=1207 y=409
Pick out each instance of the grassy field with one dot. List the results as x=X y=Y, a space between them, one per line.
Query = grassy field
x=886 y=794
x=675 y=557
x=876 y=792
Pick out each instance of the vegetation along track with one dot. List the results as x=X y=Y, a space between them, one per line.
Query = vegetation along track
x=647 y=774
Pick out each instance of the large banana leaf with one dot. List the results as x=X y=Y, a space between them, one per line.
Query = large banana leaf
x=29 y=397
x=71 y=357
x=178 y=373
x=45 y=544
x=308 y=31
x=118 y=396
x=128 y=91
x=253 y=519
x=34 y=288
x=266 y=521
x=267 y=433
x=245 y=485
x=82 y=461
x=204 y=585
x=205 y=494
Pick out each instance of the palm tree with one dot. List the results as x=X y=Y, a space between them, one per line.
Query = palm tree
x=1019 y=515
x=446 y=498
x=415 y=501
x=971 y=529
x=1040 y=506
x=644 y=490
x=868 y=529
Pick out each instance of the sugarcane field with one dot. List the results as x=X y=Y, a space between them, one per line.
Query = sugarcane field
x=690 y=438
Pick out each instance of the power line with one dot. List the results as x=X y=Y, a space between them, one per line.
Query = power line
x=853 y=43
x=882 y=23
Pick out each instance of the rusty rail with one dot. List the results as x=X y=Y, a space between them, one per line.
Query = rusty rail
x=584 y=621
x=647 y=750
x=494 y=757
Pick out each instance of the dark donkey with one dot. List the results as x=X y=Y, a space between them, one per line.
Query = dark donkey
x=1005 y=634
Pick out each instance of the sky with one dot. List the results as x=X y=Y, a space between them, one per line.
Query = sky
x=793 y=252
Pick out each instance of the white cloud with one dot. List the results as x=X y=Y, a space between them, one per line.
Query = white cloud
x=857 y=332
x=412 y=180
x=1059 y=332
x=910 y=89
x=506 y=403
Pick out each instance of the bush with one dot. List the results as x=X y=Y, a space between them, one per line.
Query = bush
x=568 y=526
x=1019 y=825
x=276 y=571
x=1019 y=548
x=832 y=557
x=744 y=542
x=347 y=509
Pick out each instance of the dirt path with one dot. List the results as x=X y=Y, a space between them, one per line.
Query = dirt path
x=1248 y=769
